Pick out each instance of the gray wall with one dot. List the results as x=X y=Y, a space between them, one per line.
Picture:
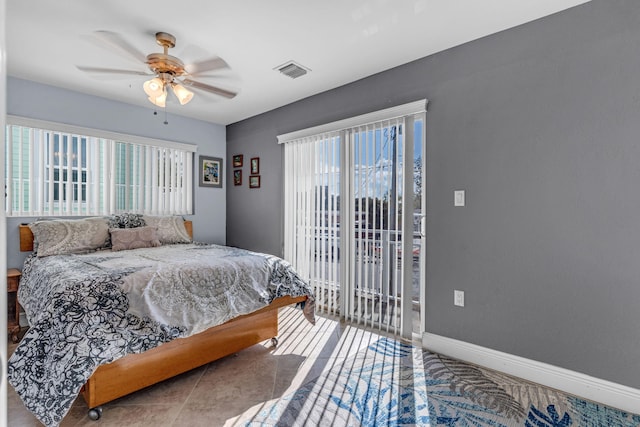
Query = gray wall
x=38 y=101
x=541 y=126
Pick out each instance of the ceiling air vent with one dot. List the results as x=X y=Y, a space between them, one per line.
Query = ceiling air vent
x=292 y=69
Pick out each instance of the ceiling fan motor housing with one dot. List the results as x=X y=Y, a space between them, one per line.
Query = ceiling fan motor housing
x=161 y=63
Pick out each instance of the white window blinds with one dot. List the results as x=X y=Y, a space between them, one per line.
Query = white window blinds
x=312 y=213
x=349 y=194
x=62 y=170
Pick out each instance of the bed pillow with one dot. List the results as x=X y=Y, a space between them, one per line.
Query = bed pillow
x=126 y=220
x=58 y=237
x=171 y=229
x=133 y=238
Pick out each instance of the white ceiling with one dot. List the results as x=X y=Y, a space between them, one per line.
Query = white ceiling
x=339 y=40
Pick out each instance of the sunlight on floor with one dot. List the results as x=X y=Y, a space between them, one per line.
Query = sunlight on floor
x=324 y=346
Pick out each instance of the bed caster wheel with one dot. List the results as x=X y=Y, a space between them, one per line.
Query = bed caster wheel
x=95 y=413
x=274 y=341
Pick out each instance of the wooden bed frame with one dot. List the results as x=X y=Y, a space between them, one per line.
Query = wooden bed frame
x=137 y=371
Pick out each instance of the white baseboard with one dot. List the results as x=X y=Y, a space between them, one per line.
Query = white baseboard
x=575 y=383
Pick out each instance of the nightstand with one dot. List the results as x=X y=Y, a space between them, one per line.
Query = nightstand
x=13 y=309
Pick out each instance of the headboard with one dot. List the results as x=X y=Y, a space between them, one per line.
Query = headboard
x=26 y=236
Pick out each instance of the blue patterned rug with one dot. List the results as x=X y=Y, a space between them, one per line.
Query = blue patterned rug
x=394 y=384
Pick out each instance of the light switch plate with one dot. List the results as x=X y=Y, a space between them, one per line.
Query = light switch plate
x=458 y=298
x=458 y=198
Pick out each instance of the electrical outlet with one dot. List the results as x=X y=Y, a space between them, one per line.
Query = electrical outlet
x=458 y=298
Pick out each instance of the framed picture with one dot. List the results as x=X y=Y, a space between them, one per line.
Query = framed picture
x=254 y=181
x=237 y=177
x=237 y=160
x=210 y=172
x=255 y=165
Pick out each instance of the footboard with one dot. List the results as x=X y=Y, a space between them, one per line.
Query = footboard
x=137 y=371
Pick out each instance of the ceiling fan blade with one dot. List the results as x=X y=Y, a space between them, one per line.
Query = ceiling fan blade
x=208 y=88
x=211 y=64
x=100 y=70
x=115 y=42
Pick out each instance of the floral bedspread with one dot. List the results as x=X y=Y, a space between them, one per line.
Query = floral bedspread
x=88 y=310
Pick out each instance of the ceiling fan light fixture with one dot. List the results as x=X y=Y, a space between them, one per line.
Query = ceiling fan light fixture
x=183 y=94
x=154 y=87
x=159 y=101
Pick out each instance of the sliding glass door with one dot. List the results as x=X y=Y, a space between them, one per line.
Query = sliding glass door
x=353 y=219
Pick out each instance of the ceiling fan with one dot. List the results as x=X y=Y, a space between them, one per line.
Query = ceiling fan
x=168 y=71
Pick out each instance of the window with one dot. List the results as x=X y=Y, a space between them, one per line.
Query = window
x=62 y=170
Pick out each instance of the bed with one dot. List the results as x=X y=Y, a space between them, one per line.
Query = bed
x=109 y=322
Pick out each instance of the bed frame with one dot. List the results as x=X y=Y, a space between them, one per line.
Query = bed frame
x=137 y=371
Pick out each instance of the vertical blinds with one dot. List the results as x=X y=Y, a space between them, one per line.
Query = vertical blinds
x=54 y=169
x=312 y=214
x=377 y=193
x=349 y=214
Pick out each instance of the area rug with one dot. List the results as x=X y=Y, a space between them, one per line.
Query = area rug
x=390 y=383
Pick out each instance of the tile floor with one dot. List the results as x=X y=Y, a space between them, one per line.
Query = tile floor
x=216 y=393
x=223 y=392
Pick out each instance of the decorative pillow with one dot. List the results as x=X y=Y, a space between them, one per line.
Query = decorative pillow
x=57 y=237
x=133 y=238
x=171 y=229
x=46 y=218
x=126 y=220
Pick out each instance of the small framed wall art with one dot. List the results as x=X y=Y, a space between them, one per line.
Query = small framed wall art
x=210 y=172
x=237 y=177
x=237 y=160
x=255 y=166
x=254 y=181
